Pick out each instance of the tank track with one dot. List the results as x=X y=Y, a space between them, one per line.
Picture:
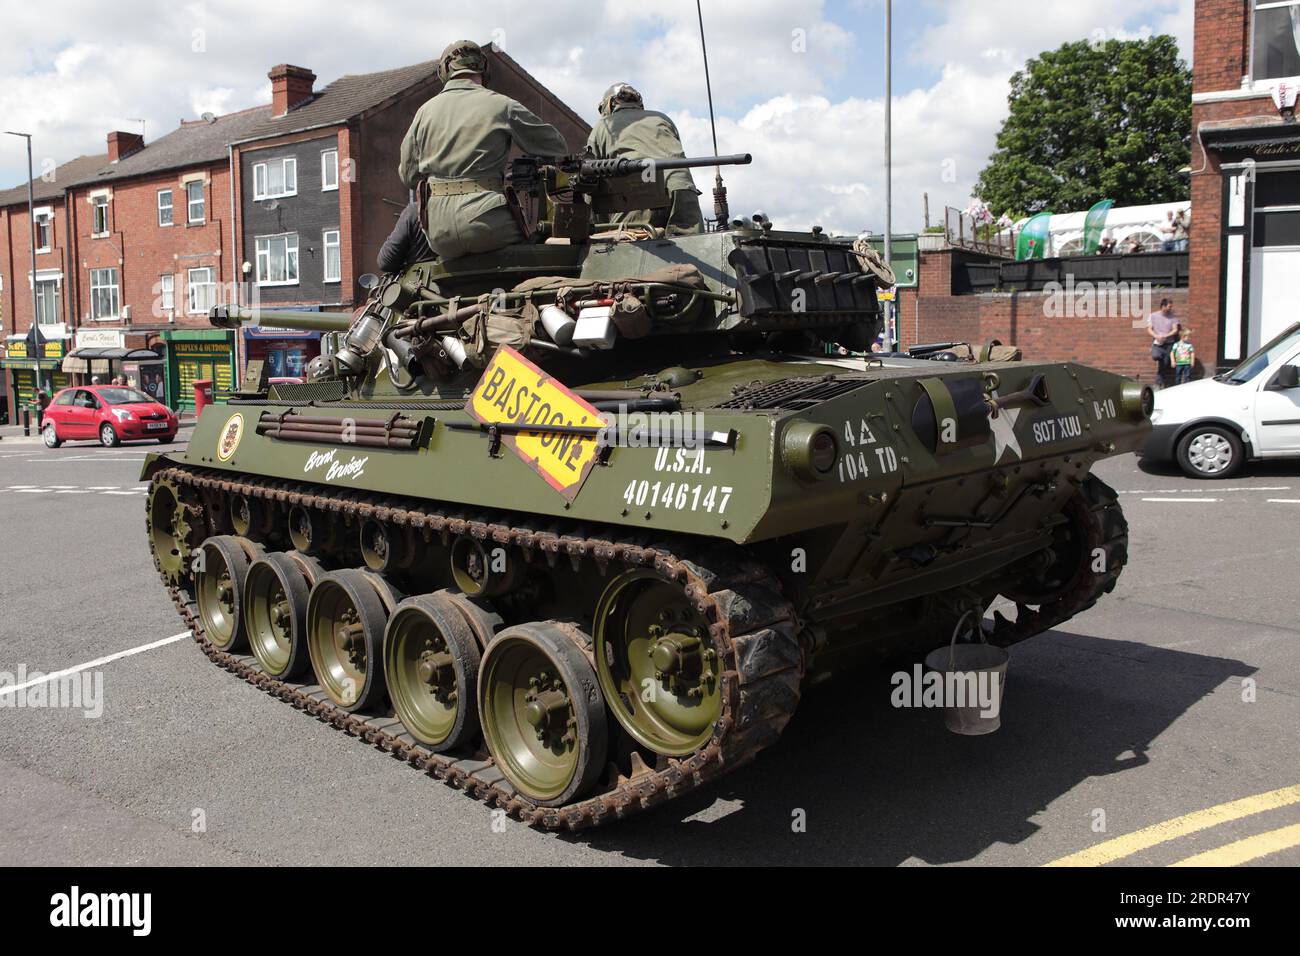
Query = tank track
x=754 y=627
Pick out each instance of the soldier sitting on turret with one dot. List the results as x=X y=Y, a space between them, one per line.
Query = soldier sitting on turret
x=628 y=129
x=459 y=143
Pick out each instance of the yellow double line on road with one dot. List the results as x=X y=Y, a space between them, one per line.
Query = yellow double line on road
x=1241 y=851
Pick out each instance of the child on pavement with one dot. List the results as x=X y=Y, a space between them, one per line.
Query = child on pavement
x=1183 y=357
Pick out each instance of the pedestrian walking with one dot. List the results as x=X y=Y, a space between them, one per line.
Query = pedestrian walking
x=1163 y=327
x=1183 y=357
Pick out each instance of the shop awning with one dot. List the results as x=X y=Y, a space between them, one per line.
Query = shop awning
x=116 y=354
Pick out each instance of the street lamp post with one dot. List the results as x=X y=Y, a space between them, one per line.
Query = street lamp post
x=31 y=227
x=890 y=329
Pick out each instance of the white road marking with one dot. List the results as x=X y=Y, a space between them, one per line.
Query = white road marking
x=20 y=487
x=102 y=487
x=98 y=662
x=30 y=491
x=1190 y=501
x=1192 y=491
x=131 y=492
x=73 y=491
x=1284 y=501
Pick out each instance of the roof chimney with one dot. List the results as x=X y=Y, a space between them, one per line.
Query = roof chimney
x=122 y=145
x=290 y=87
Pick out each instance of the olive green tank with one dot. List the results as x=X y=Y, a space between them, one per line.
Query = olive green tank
x=571 y=526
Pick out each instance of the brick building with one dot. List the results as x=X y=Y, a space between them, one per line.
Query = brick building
x=54 y=265
x=1245 y=175
x=151 y=229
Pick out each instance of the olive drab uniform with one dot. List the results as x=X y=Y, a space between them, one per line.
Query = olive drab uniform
x=460 y=140
x=646 y=134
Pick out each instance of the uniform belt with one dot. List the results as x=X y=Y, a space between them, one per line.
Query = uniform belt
x=463 y=187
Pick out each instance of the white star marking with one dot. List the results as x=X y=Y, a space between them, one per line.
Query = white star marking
x=1004 y=433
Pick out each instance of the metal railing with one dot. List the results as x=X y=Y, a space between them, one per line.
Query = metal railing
x=963 y=232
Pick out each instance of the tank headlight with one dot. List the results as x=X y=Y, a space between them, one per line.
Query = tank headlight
x=809 y=450
x=1137 y=401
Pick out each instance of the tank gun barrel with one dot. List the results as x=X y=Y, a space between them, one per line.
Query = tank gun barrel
x=233 y=316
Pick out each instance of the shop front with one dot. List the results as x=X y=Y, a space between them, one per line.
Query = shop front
x=105 y=354
x=32 y=365
x=286 y=352
x=194 y=355
x=1260 y=251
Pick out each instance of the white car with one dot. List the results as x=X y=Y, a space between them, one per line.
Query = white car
x=1211 y=427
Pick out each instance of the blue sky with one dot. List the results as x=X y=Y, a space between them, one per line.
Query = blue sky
x=797 y=82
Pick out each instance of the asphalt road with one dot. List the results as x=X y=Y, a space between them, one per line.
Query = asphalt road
x=1179 y=693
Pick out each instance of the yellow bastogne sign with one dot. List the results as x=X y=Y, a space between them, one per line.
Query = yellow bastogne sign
x=514 y=391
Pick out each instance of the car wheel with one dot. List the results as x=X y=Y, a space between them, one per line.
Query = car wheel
x=166 y=439
x=52 y=439
x=107 y=437
x=1210 y=451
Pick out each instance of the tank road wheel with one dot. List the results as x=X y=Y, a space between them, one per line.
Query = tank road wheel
x=431 y=661
x=657 y=664
x=543 y=716
x=276 y=590
x=220 y=569
x=174 y=530
x=345 y=638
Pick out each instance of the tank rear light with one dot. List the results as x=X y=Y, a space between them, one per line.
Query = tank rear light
x=809 y=450
x=1137 y=401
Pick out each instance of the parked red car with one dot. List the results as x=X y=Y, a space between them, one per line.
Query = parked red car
x=109 y=413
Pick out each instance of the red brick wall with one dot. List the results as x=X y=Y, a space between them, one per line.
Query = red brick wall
x=143 y=251
x=1022 y=319
x=1037 y=324
x=1221 y=44
x=16 y=263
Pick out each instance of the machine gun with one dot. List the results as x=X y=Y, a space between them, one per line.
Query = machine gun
x=563 y=198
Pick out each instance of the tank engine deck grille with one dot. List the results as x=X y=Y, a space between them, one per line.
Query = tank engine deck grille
x=793 y=394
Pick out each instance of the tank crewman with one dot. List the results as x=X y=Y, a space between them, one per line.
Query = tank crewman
x=406 y=244
x=459 y=142
x=628 y=129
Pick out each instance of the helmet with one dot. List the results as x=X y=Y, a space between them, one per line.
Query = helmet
x=463 y=56
x=319 y=369
x=620 y=94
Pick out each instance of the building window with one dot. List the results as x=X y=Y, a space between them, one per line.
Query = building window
x=278 y=177
x=99 y=220
x=333 y=263
x=167 y=293
x=195 y=211
x=47 y=301
x=277 y=259
x=104 y=302
x=201 y=290
x=329 y=170
x=164 y=207
x=1275 y=40
x=44 y=231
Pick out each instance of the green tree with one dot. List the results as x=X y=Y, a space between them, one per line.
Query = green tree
x=1093 y=121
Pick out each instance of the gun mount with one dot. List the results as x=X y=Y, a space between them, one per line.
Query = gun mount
x=564 y=198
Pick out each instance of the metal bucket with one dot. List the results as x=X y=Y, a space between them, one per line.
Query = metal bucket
x=973 y=667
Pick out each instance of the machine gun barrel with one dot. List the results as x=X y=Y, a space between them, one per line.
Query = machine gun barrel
x=624 y=166
x=233 y=316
